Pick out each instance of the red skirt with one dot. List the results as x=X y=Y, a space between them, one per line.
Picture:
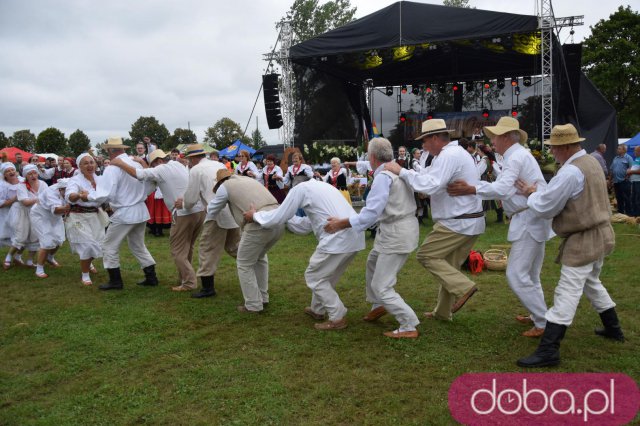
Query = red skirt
x=158 y=212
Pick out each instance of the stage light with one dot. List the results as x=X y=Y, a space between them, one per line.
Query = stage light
x=487 y=84
x=514 y=81
x=455 y=87
x=526 y=81
x=428 y=88
x=514 y=111
x=430 y=115
x=403 y=89
x=485 y=113
x=389 y=91
x=415 y=89
x=500 y=83
x=442 y=88
x=403 y=117
x=516 y=90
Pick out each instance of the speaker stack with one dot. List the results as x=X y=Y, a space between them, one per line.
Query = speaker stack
x=272 y=100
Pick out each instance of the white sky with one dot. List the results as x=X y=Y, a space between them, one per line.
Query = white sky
x=98 y=66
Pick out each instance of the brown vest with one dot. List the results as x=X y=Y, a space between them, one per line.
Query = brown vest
x=585 y=223
x=244 y=191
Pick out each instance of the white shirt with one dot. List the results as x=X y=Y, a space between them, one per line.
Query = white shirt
x=22 y=193
x=172 y=178
x=363 y=167
x=566 y=185
x=304 y=169
x=125 y=194
x=319 y=201
x=453 y=163
x=276 y=171
x=423 y=159
x=376 y=201
x=329 y=176
x=50 y=199
x=202 y=179
x=481 y=164
x=518 y=164
x=80 y=183
x=250 y=166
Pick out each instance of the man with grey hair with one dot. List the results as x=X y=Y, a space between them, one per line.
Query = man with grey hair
x=598 y=154
x=527 y=232
x=618 y=176
x=459 y=220
x=390 y=203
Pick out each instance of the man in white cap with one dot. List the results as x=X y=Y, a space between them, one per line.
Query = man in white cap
x=577 y=201
x=126 y=196
x=219 y=233
x=172 y=178
x=527 y=232
x=458 y=220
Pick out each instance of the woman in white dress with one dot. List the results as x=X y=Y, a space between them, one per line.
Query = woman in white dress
x=297 y=172
x=86 y=222
x=9 y=181
x=246 y=167
x=338 y=177
x=48 y=225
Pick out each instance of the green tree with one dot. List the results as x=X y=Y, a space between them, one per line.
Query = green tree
x=257 y=141
x=180 y=136
x=51 y=140
x=611 y=60
x=223 y=133
x=150 y=127
x=4 y=141
x=530 y=120
x=308 y=19
x=23 y=139
x=79 y=142
x=456 y=3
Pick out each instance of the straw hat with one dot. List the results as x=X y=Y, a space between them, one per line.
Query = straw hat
x=505 y=125
x=195 y=149
x=114 y=142
x=563 y=134
x=432 y=127
x=221 y=176
x=155 y=154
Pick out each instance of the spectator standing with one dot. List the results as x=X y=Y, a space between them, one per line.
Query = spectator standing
x=618 y=176
x=598 y=154
x=634 y=181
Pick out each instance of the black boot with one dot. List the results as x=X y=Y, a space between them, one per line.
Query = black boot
x=150 y=278
x=548 y=352
x=499 y=216
x=611 y=324
x=115 y=280
x=207 y=288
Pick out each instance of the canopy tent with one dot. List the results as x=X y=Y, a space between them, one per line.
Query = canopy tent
x=415 y=43
x=232 y=150
x=11 y=152
x=632 y=143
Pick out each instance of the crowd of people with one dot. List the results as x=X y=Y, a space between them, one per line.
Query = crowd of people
x=243 y=209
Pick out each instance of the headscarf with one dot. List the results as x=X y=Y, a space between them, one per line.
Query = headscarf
x=28 y=168
x=62 y=183
x=80 y=157
x=4 y=167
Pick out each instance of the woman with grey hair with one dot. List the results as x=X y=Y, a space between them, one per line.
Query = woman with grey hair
x=337 y=177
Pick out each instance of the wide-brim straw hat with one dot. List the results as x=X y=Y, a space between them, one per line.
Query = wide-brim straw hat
x=505 y=125
x=221 y=176
x=563 y=134
x=155 y=154
x=114 y=143
x=432 y=127
x=195 y=149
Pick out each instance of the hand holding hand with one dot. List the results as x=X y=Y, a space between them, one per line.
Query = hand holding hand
x=460 y=187
x=525 y=189
x=393 y=167
x=248 y=215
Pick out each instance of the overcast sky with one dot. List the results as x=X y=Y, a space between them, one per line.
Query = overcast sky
x=99 y=65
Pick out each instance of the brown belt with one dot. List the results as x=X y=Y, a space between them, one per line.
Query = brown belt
x=470 y=215
x=75 y=208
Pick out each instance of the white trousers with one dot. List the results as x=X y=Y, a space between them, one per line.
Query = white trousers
x=253 y=264
x=574 y=280
x=381 y=277
x=523 y=275
x=322 y=275
x=134 y=233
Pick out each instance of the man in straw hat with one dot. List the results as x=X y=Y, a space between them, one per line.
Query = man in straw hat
x=527 y=232
x=242 y=193
x=458 y=220
x=172 y=178
x=390 y=203
x=577 y=201
x=126 y=196
x=219 y=233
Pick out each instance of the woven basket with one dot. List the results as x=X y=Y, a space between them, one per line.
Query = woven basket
x=495 y=259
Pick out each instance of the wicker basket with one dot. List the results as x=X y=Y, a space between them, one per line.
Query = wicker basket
x=495 y=259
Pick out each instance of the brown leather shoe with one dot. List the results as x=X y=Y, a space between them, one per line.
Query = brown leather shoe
x=332 y=325
x=460 y=303
x=533 y=332
x=395 y=334
x=429 y=315
x=243 y=309
x=316 y=316
x=375 y=314
x=524 y=319
x=181 y=288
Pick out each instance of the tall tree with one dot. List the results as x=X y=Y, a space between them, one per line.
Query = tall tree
x=456 y=3
x=611 y=60
x=150 y=127
x=257 y=141
x=223 y=133
x=4 y=141
x=51 y=140
x=23 y=139
x=79 y=142
x=180 y=136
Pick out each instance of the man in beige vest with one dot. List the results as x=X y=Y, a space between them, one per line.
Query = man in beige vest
x=577 y=201
x=390 y=203
x=243 y=193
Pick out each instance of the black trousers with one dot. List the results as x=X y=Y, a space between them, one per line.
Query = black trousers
x=623 y=195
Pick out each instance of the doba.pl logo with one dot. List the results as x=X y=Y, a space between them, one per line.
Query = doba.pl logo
x=544 y=398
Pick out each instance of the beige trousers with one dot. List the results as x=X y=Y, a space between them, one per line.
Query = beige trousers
x=134 y=233
x=322 y=275
x=212 y=241
x=443 y=252
x=182 y=237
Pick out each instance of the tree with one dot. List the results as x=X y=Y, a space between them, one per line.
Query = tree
x=223 y=133
x=257 y=141
x=180 y=136
x=530 y=120
x=308 y=19
x=23 y=139
x=150 y=127
x=611 y=60
x=456 y=3
x=79 y=142
x=51 y=140
x=4 y=141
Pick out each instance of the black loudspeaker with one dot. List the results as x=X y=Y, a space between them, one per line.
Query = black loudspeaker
x=570 y=81
x=457 y=98
x=272 y=100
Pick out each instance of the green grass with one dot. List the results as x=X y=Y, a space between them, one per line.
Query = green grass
x=75 y=355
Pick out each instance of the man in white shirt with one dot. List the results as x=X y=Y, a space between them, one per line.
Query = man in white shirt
x=459 y=220
x=172 y=178
x=527 y=232
x=333 y=253
x=126 y=196
x=218 y=233
x=390 y=203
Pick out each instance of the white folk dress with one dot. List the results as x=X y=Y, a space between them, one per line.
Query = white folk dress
x=24 y=235
x=7 y=192
x=85 y=231
x=48 y=226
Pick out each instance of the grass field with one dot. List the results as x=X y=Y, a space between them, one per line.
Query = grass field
x=73 y=355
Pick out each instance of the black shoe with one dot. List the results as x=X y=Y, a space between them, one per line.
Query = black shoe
x=150 y=278
x=207 y=288
x=115 y=280
x=612 y=329
x=548 y=352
